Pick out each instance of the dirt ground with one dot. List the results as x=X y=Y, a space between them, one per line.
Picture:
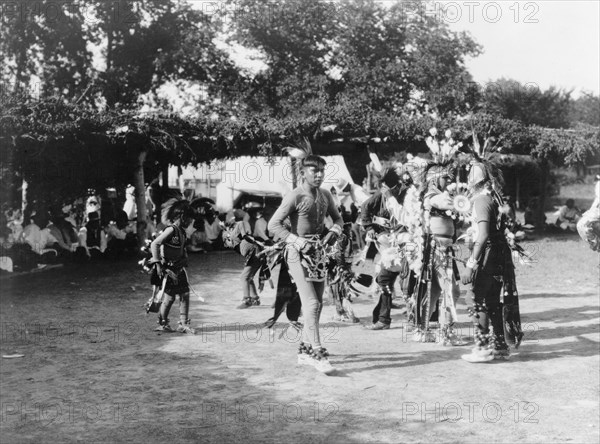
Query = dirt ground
x=94 y=370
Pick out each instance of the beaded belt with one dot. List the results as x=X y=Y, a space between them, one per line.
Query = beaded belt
x=315 y=264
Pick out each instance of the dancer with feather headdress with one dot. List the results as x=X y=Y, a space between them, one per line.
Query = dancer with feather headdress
x=489 y=269
x=168 y=262
x=442 y=272
x=431 y=223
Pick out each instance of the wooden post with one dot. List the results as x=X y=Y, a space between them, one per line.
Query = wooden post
x=24 y=196
x=140 y=197
x=518 y=193
x=209 y=191
x=162 y=195
x=180 y=179
x=540 y=217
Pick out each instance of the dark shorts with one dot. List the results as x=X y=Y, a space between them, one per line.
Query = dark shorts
x=173 y=287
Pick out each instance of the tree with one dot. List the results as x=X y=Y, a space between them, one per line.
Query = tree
x=143 y=44
x=586 y=109
x=528 y=104
x=45 y=40
x=353 y=53
x=150 y=42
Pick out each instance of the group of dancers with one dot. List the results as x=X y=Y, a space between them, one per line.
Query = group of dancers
x=412 y=227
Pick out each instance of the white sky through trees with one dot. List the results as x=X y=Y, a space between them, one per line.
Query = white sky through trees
x=549 y=42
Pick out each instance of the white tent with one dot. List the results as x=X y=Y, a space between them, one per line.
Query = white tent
x=258 y=176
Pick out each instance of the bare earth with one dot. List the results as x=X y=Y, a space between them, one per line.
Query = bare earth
x=94 y=370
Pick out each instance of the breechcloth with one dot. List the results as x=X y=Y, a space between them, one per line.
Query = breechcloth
x=179 y=285
x=486 y=292
x=314 y=265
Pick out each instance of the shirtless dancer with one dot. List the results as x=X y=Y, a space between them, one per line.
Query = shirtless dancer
x=307 y=205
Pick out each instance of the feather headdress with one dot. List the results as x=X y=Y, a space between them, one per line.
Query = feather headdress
x=481 y=158
x=442 y=149
x=299 y=150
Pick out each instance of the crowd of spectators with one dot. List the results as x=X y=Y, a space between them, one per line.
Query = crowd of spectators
x=77 y=232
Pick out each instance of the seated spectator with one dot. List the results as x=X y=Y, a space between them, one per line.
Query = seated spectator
x=568 y=215
x=92 y=238
x=15 y=225
x=41 y=240
x=93 y=203
x=120 y=239
x=17 y=257
x=6 y=262
x=62 y=234
x=214 y=229
x=531 y=213
x=70 y=216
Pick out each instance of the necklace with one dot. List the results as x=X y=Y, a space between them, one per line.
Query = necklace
x=318 y=204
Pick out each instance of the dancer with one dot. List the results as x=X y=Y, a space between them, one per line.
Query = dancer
x=589 y=224
x=253 y=229
x=384 y=207
x=169 y=259
x=432 y=231
x=307 y=205
x=444 y=272
x=490 y=269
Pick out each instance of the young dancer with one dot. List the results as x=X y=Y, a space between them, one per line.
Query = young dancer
x=307 y=205
x=169 y=258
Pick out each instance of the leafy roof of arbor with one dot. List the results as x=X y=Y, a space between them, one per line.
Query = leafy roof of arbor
x=72 y=147
x=179 y=141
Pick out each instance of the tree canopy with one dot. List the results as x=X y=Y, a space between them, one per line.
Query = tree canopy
x=114 y=51
x=350 y=53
